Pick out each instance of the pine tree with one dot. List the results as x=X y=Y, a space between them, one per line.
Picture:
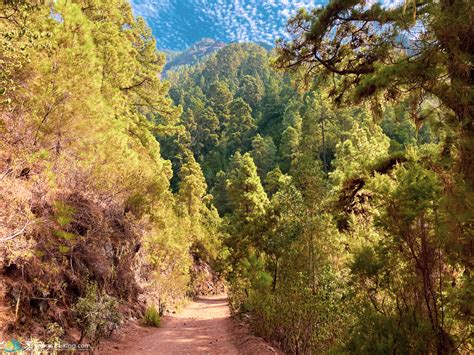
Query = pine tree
x=264 y=154
x=248 y=202
x=251 y=90
x=247 y=197
x=192 y=186
x=420 y=58
x=275 y=181
x=219 y=193
x=365 y=146
x=241 y=126
x=291 y=135
x=290 y=140
x=220 y=98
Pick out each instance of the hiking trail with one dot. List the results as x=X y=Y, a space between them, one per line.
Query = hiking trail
x=204 y=326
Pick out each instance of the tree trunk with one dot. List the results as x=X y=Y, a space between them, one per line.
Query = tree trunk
x=325 y=164
x=275 y=275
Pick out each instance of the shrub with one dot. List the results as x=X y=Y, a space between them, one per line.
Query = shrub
x=96 y=314
x=152 y=317
x=55 y=332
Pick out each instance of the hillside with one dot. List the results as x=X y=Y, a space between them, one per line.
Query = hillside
x=194 y=54
x=88 y=235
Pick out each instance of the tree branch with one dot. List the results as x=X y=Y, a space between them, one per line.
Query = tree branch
x=135 y=85
x=16 y=234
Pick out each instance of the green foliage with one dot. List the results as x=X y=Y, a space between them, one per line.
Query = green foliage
x=363 y=147
x=246 y=195
x=55 y=333
x=249 y=278
x=225 y=111
x=192 y=186
x=251 y=90
x=96 y=313
x=63 y=213
x=275 y=180
x=63 y=249
x=381 y=334
x=82 y=101
x=64 y=235
x=356 y=191
x=219 y=192
x=408 y=208
x=247 y=202
x=366 y=263
x=264 y=154
x=342 y=228
x=152 y=317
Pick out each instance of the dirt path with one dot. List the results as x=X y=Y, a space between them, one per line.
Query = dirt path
x=203 y=327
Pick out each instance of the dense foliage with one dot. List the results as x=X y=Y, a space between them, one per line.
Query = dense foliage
x=340 y=211
x=346 y=229
x=84 y=191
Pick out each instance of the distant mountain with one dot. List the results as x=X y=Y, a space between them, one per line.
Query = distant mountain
x=265 y=45
x=193 y=54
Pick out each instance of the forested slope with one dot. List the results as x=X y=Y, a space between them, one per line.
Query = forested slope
x=88 y=225
x=330 y=182
x=346 y=204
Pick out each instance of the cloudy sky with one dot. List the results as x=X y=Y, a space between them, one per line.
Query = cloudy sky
x=177 y=24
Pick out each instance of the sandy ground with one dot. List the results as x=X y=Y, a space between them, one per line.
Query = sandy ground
x=203 y=327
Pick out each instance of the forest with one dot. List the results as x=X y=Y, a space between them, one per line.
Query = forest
x=327 y=184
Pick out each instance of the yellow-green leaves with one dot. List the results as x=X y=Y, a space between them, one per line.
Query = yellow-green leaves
x=63 y=213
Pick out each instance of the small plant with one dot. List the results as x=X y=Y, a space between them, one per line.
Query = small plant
x=63 y=213
x=152 y=317
x=96 y=314
x=55 y=333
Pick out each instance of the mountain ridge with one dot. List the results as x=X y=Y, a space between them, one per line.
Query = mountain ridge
x=198 y=52
x=193 y=54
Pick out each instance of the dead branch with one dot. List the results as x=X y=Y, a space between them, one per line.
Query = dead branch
x=16 y=234
x=5 y=174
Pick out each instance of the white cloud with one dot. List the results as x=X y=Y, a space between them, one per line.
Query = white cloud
x=256 y=20
x=230 y=20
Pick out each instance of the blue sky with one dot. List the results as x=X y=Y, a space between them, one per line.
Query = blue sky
x=177 y=24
